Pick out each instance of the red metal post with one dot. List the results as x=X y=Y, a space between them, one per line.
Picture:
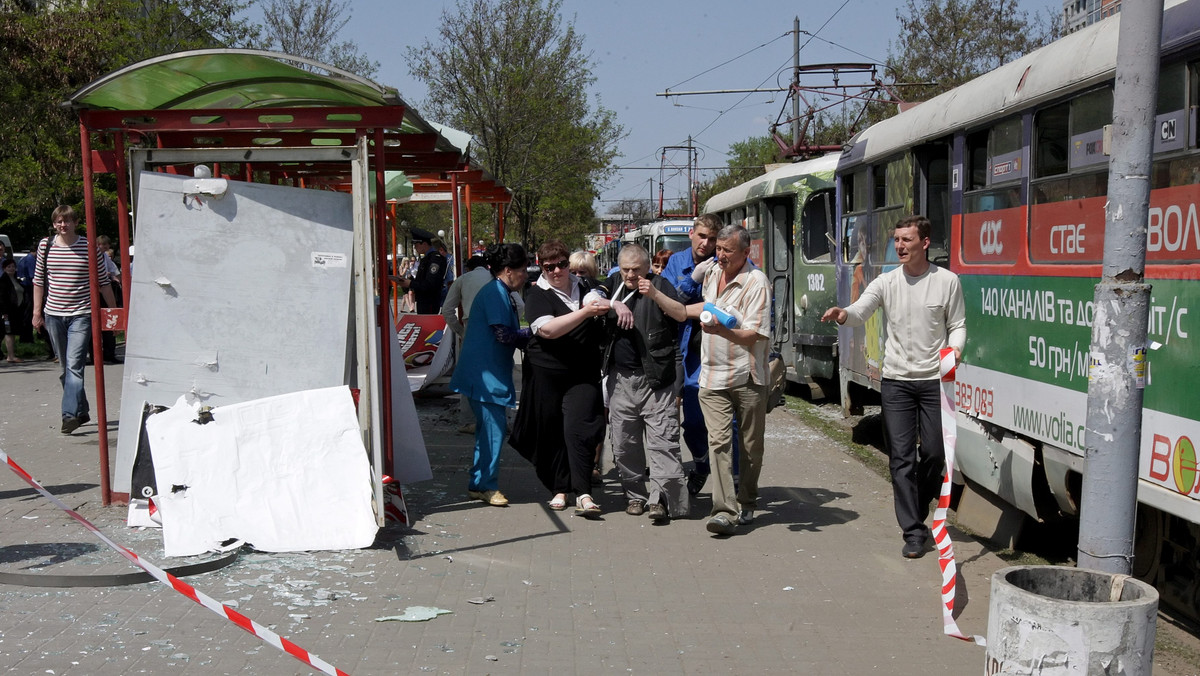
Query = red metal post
x=89 y=209
x=458 y=260
x=454 y=214
x=387 y=328
x=123 y=218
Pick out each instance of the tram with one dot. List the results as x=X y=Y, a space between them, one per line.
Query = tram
x=671 y=234
x=1012 y=170
x=789 y=212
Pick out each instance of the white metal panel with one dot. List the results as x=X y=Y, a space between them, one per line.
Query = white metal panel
x=233 y=298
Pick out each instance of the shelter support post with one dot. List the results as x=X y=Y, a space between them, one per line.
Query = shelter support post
x=387 y=328
x=455 y=207
x=458 y=260
x=123 y=221
x=89 y=208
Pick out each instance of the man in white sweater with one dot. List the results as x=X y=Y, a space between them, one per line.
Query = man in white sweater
x=923 y=304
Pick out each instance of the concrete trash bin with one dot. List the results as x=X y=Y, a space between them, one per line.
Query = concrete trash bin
x=1055 y=621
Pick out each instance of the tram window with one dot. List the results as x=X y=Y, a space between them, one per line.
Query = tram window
x=1052 y=131
x=816 y=228
x=1091 y=111
x=991 y=200
x=880 y=183
x=854 y=244
x=1172 y=88
x=780 y=229
x=894 y=183
x=1005 y=137
x=854 y=187
x=977 y=166
x=1074 y=187
x=1176 y=172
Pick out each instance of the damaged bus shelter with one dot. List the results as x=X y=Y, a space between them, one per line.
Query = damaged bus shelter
x=264 y=272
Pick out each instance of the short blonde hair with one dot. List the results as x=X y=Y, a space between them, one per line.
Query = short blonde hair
x=585 y=262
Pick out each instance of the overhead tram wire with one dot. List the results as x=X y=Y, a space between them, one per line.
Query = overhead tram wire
x=812 y=36
x=725 y=63
x=734 y=106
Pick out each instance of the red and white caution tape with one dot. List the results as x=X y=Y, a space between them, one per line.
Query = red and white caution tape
x=940 y=534
x=183 y=587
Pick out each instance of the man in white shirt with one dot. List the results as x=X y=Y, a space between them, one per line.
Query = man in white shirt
x=925 y=312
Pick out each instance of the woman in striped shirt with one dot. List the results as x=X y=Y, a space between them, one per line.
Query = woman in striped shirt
x=62 y=303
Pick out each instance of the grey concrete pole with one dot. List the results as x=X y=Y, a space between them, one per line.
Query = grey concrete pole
x=795 y=84
x=1118 y=349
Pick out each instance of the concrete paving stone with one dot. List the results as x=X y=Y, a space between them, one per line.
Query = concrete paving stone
x=815 y=586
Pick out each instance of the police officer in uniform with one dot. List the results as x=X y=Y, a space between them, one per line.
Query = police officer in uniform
x=431 y=273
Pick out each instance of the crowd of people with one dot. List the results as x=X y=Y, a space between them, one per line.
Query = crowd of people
x=623 y=353
x=641 y=355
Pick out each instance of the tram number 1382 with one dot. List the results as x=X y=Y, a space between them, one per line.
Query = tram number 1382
x=970 y=399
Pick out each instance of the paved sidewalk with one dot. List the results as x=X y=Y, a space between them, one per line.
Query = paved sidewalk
x=815 y=586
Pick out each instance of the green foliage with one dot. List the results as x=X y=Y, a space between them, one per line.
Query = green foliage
x=944 y=43
x=48 y=54
x=512 y=74
x=640 y=210
x=309 y=28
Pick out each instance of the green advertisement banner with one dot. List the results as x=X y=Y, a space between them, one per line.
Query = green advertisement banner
x=1040 y=329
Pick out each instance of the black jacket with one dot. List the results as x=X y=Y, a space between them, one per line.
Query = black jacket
x=657 y=337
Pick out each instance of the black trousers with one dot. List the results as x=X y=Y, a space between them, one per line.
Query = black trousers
x=558 y=426
x=912 y=409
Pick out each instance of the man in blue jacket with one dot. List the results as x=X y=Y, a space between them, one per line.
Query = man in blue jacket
x=681 y=270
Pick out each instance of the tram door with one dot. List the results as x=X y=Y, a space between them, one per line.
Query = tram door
x=933 y=197
x=776 y=215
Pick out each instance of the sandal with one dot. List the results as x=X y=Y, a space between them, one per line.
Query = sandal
x=586 y=506
x=559 y=502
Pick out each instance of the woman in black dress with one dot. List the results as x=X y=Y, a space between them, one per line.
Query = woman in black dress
x=561 y=416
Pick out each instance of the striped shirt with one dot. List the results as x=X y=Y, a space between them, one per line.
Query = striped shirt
x=66 y=279
x=724 y=364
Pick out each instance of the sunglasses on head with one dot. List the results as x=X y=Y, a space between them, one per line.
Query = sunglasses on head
x=549 y=267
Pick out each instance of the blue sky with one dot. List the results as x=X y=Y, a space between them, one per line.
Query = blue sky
x=642 y=47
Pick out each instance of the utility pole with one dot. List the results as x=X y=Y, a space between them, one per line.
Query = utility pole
x=795 y=93
x=1117 y=370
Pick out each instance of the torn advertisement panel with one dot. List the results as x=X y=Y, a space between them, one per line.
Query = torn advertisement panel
x=285 y=473
x=427 y=347
x=410 y=458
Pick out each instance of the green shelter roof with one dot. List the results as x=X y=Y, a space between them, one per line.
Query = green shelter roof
x=230 y=78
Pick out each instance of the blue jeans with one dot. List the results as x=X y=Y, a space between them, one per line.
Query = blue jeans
x=70 y=337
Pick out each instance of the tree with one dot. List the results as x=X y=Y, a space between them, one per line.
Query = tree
x=309 y=28
x=48 y=54
x=512 y=74
x=638 y=210
x=947 y=42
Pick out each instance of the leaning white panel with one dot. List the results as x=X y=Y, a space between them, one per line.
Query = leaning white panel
x=235 y=296
x=284 y=473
